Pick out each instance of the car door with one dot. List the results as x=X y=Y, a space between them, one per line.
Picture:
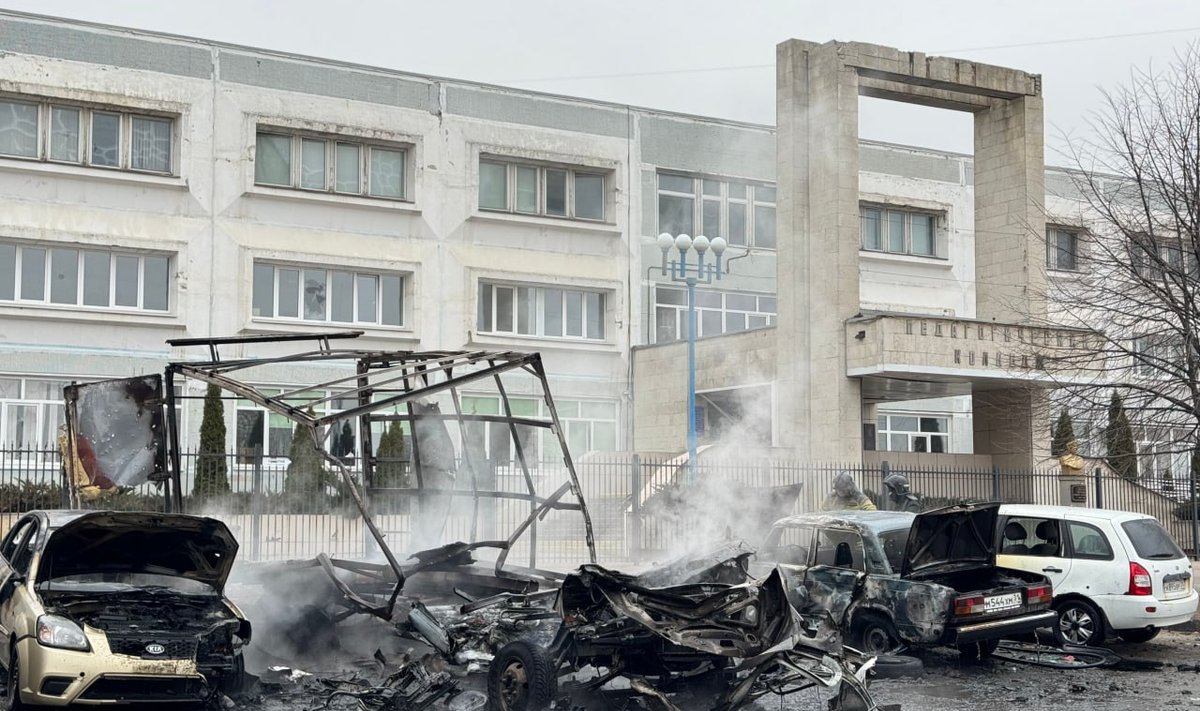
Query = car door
x=1041 y=550
x=839 y=563
x=12 y=554
x=789 y=547
x=1094 y=572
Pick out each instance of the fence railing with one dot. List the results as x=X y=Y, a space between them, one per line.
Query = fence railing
x=641 y=506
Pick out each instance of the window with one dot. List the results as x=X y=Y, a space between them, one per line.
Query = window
x=102 y=138
x=1164 y=456
x=840 y=549
x=542 y=311
x=717 y=312
x=1088 y=542
x=589 y=426
x=1163 y=259
x=315 y=294
x=913 y=433
x=84 y=277
x=1151 y=540
x=268 y=433
x=31 y=411
x=323 y=164
x=1062 y=249
x=788 y=545
x=1157 y=355
x=743 y=213
x=899 y=231
x=576 y=193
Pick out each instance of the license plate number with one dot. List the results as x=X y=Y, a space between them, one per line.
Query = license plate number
x=1001 y=602
x=1174 y=586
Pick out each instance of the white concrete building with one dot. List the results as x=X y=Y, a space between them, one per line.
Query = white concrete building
x=155 y=187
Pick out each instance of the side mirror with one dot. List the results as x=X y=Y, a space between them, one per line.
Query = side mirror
x=16 y=580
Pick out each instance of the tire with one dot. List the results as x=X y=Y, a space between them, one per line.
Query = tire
x=1079 y=623
x=12 y=691
x=896 y=666
x=235 y=681
x=978 y=651
x=521 y=678
x=1140 y=635
x=872 y=634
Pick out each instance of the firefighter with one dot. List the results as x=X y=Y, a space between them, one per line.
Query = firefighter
x=900 y=496
x=846 y=495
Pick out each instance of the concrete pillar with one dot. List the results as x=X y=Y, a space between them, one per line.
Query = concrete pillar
x=1010 y=222
x=817 y=270
x=1010 y=425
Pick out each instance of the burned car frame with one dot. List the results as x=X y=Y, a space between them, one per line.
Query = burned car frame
x=713 y=636
x=893 y=578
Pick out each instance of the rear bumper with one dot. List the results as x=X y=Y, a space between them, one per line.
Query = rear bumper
x=1128 y=612
x=995 y=629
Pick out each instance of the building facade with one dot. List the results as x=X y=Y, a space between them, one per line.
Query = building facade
x=156 y=187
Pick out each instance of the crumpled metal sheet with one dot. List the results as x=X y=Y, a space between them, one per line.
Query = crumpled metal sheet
x=116 y=432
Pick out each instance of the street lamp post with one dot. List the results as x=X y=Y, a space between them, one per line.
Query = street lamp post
x=701 y=272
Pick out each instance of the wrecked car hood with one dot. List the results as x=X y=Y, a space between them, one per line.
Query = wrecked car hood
x=192 y=547
x=951 y=538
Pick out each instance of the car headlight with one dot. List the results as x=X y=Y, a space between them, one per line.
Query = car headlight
x=56 y=631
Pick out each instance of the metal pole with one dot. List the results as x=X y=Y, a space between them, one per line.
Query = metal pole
x=1195 y=523
x=635 y=508
x=256 y=504
x=693 y=465
x=1099 y=489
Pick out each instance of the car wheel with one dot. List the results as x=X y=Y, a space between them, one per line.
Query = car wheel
x=872 y=634
x=234 y=681
x=978 y=651
x=521 y=678
x=895 y=666
x=12 y=690
x=1079 y=623
x=1143 y=634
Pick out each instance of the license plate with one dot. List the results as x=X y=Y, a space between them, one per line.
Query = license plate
x=1001 y=602
x=1175 y=586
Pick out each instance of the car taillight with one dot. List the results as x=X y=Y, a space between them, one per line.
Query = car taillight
x=1139 y=580
x=969 y=605
x=1038 y=594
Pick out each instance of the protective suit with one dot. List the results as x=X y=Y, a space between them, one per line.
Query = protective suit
x=900 y=496
x=847 y=495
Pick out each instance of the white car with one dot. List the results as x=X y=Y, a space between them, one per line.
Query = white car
x=1113 y=572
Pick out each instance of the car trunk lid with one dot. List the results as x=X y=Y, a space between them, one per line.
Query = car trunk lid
x=192 y=547
x=950 y=539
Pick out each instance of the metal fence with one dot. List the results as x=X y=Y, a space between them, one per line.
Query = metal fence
x=642 y=507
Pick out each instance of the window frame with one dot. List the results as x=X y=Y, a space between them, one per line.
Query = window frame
x=571 y=413
x=329 y=270
x=81 y=252
x=332 y=142
x=1053 y=234
x=884 y=432
x=46 y=107
x=538 y=315
x=511 y=168
x=1074 y=553
x=749 y=200
x=679 y=312
x=936 y=229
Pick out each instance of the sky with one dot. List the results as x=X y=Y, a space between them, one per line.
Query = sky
x=697 y=56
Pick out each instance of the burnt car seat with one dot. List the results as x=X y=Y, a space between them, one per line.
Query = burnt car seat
x=1014 y=539
x=842 y=558
x=1047 y=531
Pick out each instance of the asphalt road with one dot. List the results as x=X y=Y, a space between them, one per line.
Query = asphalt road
x=998 y=684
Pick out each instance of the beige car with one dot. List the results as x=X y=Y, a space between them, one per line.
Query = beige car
x=103 y=607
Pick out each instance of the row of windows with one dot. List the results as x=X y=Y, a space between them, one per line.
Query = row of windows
x=541 y=190
x=898 y=231
x=321 y=165
x=541 y=311
x=717 y=312
x=87 y=136
x=742 y=213
x=327 y=295
x=80 y=277
x=912 y=433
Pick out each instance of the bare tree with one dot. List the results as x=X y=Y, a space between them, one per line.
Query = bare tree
x=1136 y=251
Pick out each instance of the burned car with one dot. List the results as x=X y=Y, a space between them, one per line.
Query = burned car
x=717 y=636
x=894 y=578
x=102 y=607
